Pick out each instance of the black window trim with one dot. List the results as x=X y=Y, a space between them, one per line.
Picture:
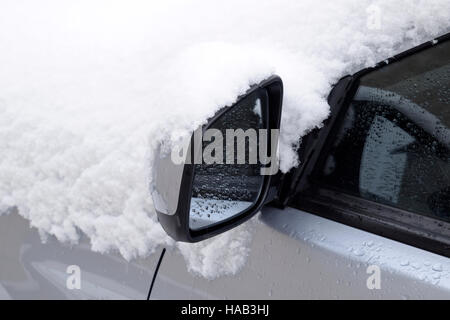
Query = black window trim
x=300 y=189
x=412 y=229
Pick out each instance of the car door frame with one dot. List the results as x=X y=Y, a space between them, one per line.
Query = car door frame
x=299 y=190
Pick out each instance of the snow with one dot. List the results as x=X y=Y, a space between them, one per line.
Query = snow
x=205 y=212
x=88 y=89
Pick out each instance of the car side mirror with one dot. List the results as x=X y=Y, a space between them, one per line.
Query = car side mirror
x=223 y=174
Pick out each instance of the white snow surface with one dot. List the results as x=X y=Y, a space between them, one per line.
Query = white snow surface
x=89 y=88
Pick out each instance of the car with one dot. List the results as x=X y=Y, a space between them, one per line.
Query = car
x=366 y=214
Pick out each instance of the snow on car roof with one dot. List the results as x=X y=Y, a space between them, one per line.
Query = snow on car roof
x=88 y=89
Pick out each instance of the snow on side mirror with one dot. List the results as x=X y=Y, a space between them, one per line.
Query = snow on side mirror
x=224 y=174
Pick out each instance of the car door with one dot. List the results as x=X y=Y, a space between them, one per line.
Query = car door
x=368 y=210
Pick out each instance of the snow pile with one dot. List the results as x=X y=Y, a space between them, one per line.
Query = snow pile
x=89 y=88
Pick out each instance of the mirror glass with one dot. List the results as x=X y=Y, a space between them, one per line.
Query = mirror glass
x=228 y=180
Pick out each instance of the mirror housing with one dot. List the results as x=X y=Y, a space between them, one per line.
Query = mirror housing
x=172 y=181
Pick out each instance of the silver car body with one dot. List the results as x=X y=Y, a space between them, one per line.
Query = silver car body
x=294 y=255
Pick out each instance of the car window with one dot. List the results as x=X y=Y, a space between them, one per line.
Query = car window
x=393 y=146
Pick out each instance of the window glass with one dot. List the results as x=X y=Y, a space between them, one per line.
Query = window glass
x=393 y=146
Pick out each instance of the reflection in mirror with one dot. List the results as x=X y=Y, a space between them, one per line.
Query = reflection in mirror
x=229 y=180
